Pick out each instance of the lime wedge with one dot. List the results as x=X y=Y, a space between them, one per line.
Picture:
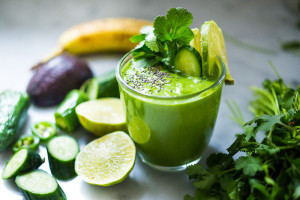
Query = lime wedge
x=138 y=130
x=102 y=116
x=213 y=45
x=195 y=42
x=107 y=160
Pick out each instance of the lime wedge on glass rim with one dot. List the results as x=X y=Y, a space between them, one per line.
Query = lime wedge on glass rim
x=107 y=160
x=195 y=42
x=102 y=116
x=212 y=47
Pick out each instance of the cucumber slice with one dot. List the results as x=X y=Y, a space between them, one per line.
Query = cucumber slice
x=93 y=89
x=38 y=185
x=62 y=151
x=108 y=85
x=188 y=61
x=23 y=160
x=105 y=85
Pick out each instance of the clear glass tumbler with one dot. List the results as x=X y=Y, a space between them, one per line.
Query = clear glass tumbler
x=170 y=133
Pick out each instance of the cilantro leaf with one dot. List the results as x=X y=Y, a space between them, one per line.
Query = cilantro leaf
x=206 y=181
x=162 y=29
x=167 y=35
x=195 y=170
x=249 y=165
x=174 y=26
x=179 y=17
x=150 y=41
x=288 y=98
x=145 y=62
x=137 y=38
x=183 y=36
x=265 y=122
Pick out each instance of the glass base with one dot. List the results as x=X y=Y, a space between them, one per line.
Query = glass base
x=169 y=168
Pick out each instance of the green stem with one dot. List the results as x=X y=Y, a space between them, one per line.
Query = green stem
x=288 y=127
x=276 y=107
x=226 y=171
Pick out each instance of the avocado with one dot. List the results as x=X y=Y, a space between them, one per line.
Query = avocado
x=55 y=78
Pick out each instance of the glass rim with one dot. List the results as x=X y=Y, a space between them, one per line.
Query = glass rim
x=121 y=81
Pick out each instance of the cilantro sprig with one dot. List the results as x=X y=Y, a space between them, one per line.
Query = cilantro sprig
x=270 y=166
x=159 y=44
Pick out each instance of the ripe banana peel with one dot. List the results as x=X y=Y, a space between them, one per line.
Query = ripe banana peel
x=104 y=35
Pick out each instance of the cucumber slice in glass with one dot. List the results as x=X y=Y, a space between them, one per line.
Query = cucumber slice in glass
x=188 y=61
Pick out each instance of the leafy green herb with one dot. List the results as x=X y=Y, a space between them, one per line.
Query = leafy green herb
x=270 y=165
x=159 y=44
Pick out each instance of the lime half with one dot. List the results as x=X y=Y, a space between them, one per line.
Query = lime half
x=102 y=116
x=212 y=46
x=107 y=160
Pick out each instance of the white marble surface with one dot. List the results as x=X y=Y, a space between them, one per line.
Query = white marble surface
x=29 y=29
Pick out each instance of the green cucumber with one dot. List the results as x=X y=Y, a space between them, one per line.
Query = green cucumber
x=105 y=85
x=38 y=185
x=62 y=151
x=13 y=113
x=188 y=61
x=65 y=116
x=23 y=160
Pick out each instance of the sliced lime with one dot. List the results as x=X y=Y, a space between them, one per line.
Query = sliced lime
x=138 y=130
x=102 y=116
x=213 y=45
x=107 y=160
x=195 y=42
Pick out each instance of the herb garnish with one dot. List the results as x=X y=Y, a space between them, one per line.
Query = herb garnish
x=270 y=168
x=159 y=44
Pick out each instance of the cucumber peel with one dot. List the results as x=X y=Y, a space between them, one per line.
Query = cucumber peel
x=23 y=160
x=38 y=185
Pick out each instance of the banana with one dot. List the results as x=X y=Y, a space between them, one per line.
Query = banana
x=104 y=35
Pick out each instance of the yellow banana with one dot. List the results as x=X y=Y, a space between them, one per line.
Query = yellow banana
x=104 y=35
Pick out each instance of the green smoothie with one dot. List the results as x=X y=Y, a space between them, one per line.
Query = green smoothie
x=171 y=85
x=170 y=116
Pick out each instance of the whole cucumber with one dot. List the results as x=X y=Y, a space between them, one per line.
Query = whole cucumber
x=13 y=113
x=65 y=116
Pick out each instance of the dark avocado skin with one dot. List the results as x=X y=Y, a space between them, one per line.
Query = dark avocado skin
x=54 y=79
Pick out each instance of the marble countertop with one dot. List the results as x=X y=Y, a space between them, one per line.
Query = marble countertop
x=29 y=29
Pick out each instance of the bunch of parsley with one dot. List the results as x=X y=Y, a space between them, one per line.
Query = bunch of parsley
x=270 y=165
x=159 y=44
